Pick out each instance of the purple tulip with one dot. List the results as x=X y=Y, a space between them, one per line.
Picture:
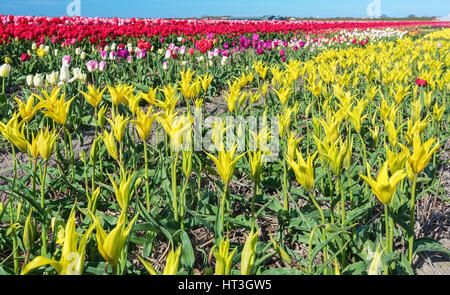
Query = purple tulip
x=141 y=54
x=282 y=52
x=92 y=66
x=104 y=55
x=225 y=45
x=122 y=53
x=259 y=51
x=66 y=60
x=102 y=66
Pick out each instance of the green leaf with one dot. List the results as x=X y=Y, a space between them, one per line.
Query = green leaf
x=358 y=268
x=429 y=245
x=187 y=253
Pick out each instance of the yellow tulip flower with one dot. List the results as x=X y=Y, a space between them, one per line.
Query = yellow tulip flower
x=223 y=257
x=304 y=171
x=206 y=81
x=73 y=251
x=384 y=187
x=421 y=153
x=356 y=117
x=248 y=255
x=179 y=129
x=122 y=192
x=118 y=126
x=283 y=95
x=94 y=96
x=225 y=163
x=417 y=128
x=292 y=144
x=119 y=93
x=438 y=112
x=45 y=142
x=150 y=97
x=396 y=161
x=255 y=159
x=144 y=122
x=392 y=132
x=13 y=132
x=26 y=110
x=58 y=109
x=111 y=245
x=110 y=144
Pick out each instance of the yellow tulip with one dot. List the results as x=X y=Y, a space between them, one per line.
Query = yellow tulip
x=248 y=255
x=264 y=88
x=438 y=112
x=119 y=93
x=133 y=102
x=255 y=159
x=206 y=81
x=110 y=144
x=283 y=95
x=356 y=117
x=392 y=132
x=73 y=251
x=13 y=132
x=292 y=144
x=304 y=171
x=150 y=97
x=384 y=187
x=223 y=257
x=111 y=245
x=417 y=128
x=421 y=153
x=57 y=109
x=225 y=163
x=94 y=96
x=118 y=126
x=179 y=129
x=232 y=99
x=144 y=122
x=122 y=192
x=395 y=161
x=45 y=142
x=26 y=110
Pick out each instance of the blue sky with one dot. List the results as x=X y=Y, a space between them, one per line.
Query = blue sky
x=180 y=8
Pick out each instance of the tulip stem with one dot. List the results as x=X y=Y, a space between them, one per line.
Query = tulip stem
x=255 y=192
x=411 y=219
x=222 y=207
x=44 y=218
x=146 y=176
x=285 y=205
x=341 y=188
x=174 y=186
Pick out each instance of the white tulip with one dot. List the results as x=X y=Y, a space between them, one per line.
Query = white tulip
x=64 y=74
x=38 y=81
x=4 y=70
x=30 y=80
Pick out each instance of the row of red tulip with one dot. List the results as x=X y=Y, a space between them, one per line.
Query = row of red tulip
x=77 y=29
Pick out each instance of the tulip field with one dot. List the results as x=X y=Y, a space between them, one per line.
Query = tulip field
x=204 y=147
